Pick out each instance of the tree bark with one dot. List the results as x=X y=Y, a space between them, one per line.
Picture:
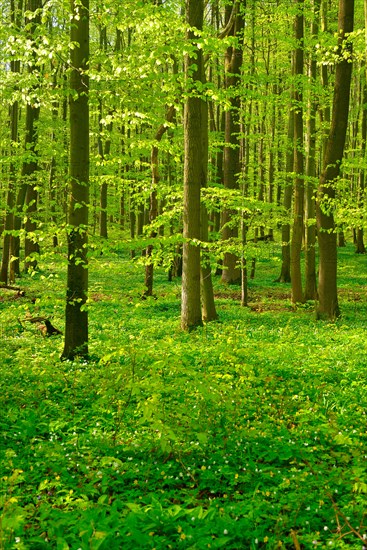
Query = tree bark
x=298 y=215
x=328 y=307
x=360 y=246
x=191 y=306
x=231 y=160
x=15 y=15
x=153 y=200
x=311 y=172
x=29 y=168
x=76 y=313
x=208 y=309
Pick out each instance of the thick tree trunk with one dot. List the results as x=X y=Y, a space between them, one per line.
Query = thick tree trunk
x=76 y=313
x=328 y=296
x=191 y=306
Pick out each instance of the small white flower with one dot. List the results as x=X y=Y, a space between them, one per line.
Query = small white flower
x=326 y=528
x=225 y=532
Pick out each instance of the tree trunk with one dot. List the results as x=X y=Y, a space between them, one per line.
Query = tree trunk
x=311 y=172
x=30 y=166
x=328 y=296
x=103 y=151
x=191 y=307
x=31 y=245
x=360 y=246
x=76 y=314
x=10 y=200
x=208 y=309
x=285 y=272
x=298 y=221
x=231 y=160
x=15 y=17
x=153 y=201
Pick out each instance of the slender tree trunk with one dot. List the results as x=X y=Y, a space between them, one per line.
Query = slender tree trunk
x=76 y=313
x=27 y=191
x=285 y=272
x=31 y=245
x=311 y=172
x=103 y=151
x=360 y=246
x=52 y=173
x=325 y=111
x=9 y=217
x=191 y=306
x=328 y=296
x=208 y=309
x=231 y=161
x=15 y=15
x=153 y=201
x=298 y=220
x=103 y=148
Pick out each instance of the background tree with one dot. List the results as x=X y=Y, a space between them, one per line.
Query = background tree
x=299 y=188
x=231 y=159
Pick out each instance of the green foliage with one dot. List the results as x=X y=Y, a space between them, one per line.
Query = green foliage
x=247 y=433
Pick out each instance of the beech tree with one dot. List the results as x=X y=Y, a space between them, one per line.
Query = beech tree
x=328 y=306
x=311 y=167
x=296 y=243
x=76 y=313
x=15 y=16
x=231 y=158
x=191 y=304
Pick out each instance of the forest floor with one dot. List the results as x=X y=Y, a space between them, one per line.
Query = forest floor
x=247 y=433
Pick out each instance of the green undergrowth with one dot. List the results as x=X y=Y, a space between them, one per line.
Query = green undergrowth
x=247 y=433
